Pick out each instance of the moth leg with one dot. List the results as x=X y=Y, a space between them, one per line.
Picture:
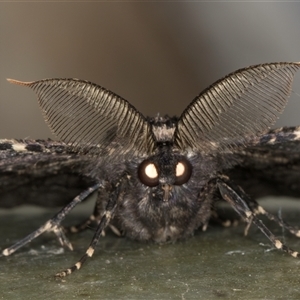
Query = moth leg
x=220 y=221
x=243 y=209
x=63 y=240
x=259 y=210
x=81 y=226
x=106 y=218
x=53 y=224
x=223 y=222
x=95 y=217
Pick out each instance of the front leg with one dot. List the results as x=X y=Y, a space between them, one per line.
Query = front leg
x=249 y=209
x=54 y=224
x=116 y=196
x=94 y=219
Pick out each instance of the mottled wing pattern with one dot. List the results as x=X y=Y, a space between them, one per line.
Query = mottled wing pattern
x=39 y=172
x=272 y=167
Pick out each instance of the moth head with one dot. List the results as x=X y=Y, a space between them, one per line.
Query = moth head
x=164 y=171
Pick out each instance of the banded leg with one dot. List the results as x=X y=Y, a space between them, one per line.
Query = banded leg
x=107 y=216
x=215 y=217
x=243 y=209
x=259 y=210
x=53 y=224
x=95 y=218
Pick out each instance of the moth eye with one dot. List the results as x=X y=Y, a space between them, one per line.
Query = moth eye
x=183 y=171
x=148 y=173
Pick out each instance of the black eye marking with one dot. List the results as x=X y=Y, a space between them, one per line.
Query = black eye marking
x=183 y=171
x=148 y=173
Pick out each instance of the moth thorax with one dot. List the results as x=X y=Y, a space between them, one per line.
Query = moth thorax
x=163 y=133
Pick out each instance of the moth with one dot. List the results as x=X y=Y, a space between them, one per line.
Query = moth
x=156 y=179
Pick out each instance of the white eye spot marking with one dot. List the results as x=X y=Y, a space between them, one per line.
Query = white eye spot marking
x=180 y=169
x=148 y=173
x=151 y=171
x=183 y=171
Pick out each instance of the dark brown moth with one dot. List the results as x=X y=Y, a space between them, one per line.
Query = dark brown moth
x=157 y=179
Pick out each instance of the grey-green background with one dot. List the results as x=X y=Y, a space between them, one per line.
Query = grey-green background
x=158 y=56
x=217 y=264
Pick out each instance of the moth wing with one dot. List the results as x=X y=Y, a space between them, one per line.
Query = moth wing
x=236 y=108
x=44 y=179
x=91 y=118
x=272 y=167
